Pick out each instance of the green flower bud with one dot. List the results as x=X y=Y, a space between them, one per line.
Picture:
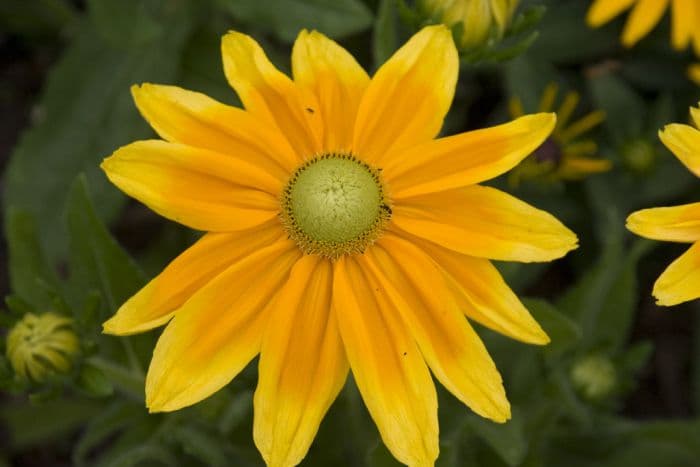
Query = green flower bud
x=639 y=155
x=594 y=376
x=41 y=346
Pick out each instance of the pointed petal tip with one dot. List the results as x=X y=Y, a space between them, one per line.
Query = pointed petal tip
x=110 y=327
x=501 y=413
x=542 y=123
x=632 y=222
x=538 y=337
x=663 y=298
x=156 y=404
x=667 y=298
x=569 y=242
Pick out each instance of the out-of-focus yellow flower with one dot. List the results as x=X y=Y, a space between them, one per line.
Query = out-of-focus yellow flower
x=478 y=17
x=594 y=376
x=680 y=282
x=40 y=346
x=694 y=73
x=564 y=155
x=646 y=14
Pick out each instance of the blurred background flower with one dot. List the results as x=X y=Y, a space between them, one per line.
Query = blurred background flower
x=567 y=154
x=645 y=15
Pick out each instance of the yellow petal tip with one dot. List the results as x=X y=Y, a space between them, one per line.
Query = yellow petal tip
x=110 y=327
x=540 y=337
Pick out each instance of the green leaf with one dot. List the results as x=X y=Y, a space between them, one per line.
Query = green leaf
x=27 y=264
x=199 y=444
x=201 y=66
x=124 y=23
x=380 y=456
x=97 y=260
x=239 y=409
x=85 y=113
x=125 y=380
x=695 y=365
x=563 y=332
x=94 y=382
x=624 y=108
x=662 y=444
x=33 y=425
x=104 y=425
x=285 y=18
x=35 y=18
x=506 y=439
x=617 y=315
x=564 y=38
x=526 y=78
x=385 y=38
x=585 y=300
x=140 y=454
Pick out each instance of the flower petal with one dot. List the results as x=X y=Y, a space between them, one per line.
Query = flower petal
x=573 y=168
x=269 y=94
x=218 y=331
x=684 y=142
x=388 y=368
x=467 y=158
x=202 y=189
x=684 y=20
x=156 y=303
x=695 y=111
x=408 y=97
x=326 y=70
x=680 y=282
x=674 y=224
x=302 y=364
x=484 y=222
x=645 y=15
x=408 y=281
x=191 y=118
x=484 y=296
x=603 y=11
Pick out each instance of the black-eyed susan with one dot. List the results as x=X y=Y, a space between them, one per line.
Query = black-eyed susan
x=341 y=236
x=680 y=282
x=646 y=14
x=478 y=18
x=565 y=155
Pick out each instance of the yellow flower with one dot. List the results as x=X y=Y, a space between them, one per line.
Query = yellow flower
x=40 y=346
x=476 y=16
x=563 y=156
x=646 y=14
x=679 y=282
x=341 y=236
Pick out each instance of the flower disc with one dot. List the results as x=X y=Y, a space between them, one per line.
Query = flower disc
x=334 y=204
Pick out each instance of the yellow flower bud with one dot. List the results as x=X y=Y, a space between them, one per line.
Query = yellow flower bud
x=39 y=346
x=477 y=17
x=594 y=376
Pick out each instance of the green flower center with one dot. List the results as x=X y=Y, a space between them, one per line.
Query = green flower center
x=333 y=205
